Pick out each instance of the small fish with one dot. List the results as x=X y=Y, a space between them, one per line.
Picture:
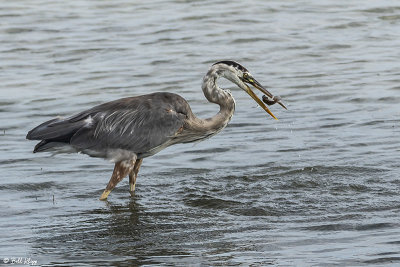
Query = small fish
x=275 y=99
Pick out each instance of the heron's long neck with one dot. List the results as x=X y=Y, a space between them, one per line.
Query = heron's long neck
x=218 y=96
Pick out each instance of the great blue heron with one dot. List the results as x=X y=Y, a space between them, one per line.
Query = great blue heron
x=127 y=130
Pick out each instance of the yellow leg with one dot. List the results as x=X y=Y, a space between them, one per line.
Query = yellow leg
x=121 y=169
x=133 y=175
x=105 y=194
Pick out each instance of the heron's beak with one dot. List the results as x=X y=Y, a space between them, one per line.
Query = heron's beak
x=255 y=97
x=257 y=85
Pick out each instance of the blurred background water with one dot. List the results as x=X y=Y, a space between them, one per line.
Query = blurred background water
x=318 y=187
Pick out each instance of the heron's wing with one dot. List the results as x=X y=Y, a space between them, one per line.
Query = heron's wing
x=56 y=129
x=137 y=124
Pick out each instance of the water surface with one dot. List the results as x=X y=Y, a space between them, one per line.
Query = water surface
x=319 y=187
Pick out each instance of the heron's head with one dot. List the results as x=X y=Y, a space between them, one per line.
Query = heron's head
x=239 y=75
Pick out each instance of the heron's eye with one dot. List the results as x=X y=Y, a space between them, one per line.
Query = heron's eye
x=247 y=77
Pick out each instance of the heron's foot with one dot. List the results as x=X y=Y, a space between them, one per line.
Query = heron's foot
x=105 y=194
x=132 y=189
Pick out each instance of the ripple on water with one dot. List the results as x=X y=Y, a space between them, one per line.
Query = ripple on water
x=209 y=202
x=32 y=187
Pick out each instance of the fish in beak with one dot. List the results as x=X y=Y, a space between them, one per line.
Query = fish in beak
x=268 y=98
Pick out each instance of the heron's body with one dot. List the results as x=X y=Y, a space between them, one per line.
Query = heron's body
x=129 y=129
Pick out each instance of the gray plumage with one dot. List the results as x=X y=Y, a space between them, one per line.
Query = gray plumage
x=129 y=129
x=137 y=124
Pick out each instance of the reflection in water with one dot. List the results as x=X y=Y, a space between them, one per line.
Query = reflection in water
x=115 y=232
x=130 y=234
x=222 y=221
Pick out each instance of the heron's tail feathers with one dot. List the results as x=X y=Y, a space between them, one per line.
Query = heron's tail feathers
x=54 y=133
x=45 y=145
